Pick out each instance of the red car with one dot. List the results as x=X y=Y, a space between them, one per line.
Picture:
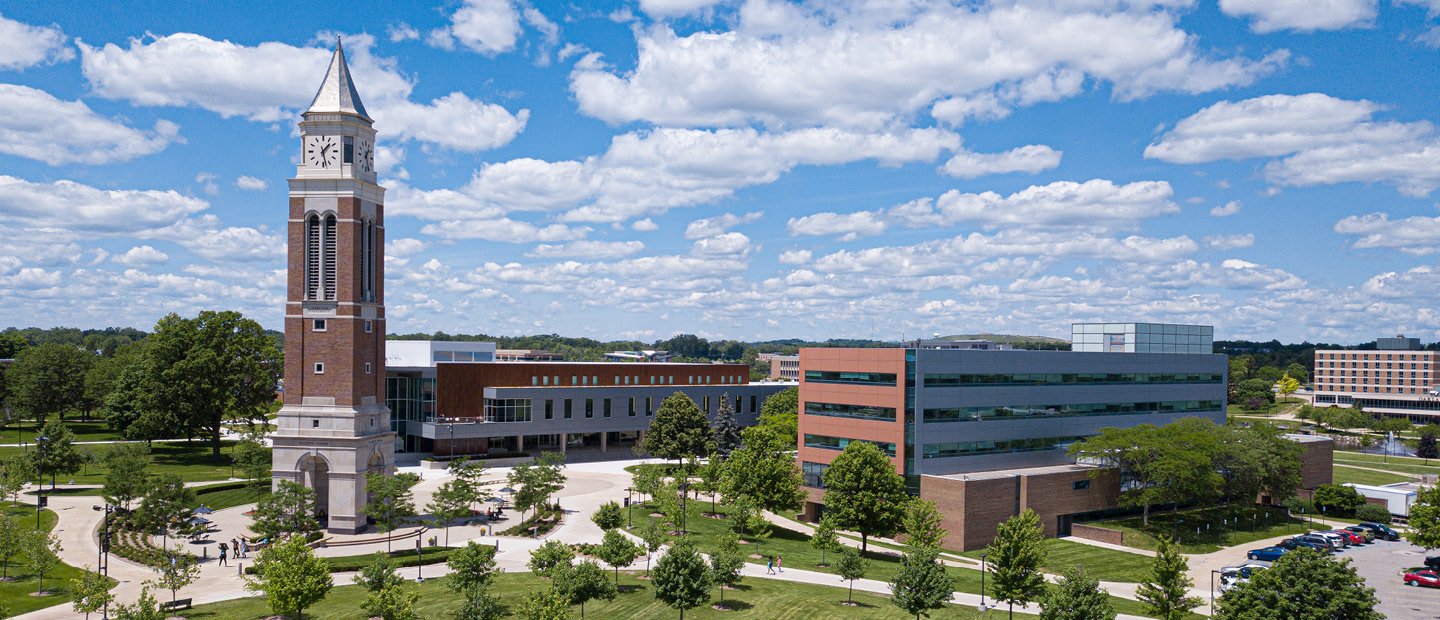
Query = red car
x=1426 y=578
x=1355 y=539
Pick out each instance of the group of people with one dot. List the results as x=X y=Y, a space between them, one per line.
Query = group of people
x=772 y=564
x=239 y=545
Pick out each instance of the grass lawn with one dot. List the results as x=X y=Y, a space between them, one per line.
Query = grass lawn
x=1100 y=563
x=1345 y=474
x=191 y=461
x=1223 y=526
x=216 y=496
x=15 y=595
x=1395 y=464
x=753 y=599
x=94 y=430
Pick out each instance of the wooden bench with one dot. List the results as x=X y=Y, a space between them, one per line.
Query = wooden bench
x=183 y=603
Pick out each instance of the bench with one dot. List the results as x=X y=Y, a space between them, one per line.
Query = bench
x=183 y=603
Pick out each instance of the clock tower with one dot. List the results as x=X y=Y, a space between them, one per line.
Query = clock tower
x=334 y=426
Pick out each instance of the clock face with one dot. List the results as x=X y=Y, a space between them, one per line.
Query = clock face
x=322 y=151
x=366 y=156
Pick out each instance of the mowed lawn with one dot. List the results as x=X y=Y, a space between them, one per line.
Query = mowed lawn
x=1206 y=530
x=15 y=596
x=192 y=461
x=1346 y=474
x=93 y=430
x=1394 y=465
x=1098 y=562
x=754 y=599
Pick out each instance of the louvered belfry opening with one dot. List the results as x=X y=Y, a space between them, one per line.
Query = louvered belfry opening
x=328 y=251
x=312 y=257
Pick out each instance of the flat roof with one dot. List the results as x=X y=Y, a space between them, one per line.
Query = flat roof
x=1303 y=438
x=611 y=363
x=1021 y=471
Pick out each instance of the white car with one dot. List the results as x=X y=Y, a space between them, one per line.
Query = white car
x=1230 y=576
x=1336 y=540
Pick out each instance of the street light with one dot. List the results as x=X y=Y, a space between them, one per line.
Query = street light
x=40 y=472
x=983 y=606
x=684 y=512
x=630 y=507
x=1213 y=572
x=420 y=566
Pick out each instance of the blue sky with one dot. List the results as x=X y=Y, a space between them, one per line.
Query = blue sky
x=746 y=170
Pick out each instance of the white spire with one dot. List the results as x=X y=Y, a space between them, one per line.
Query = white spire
x=337 y=92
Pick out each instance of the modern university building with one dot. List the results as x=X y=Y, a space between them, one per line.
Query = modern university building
x=983 y=430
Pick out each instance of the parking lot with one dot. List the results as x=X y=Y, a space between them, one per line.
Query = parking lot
x=1382 y=564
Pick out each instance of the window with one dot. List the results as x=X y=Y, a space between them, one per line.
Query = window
x=632 y=406
x=319 y=368
x=864 y=378
x=648 y=410
x=328 y=260
x=369 y=326
x=589 y=407
x=574 y=380
x=567 y=409
x=814 y=474
x=349 y=149
x=973 y=448
x=314 y=423
x=584 y=380
x=534 y=380
x=1080 y=485
x=707 y=406
x=507 y=410
x=1040 y=378
x=826 y=442
x=606 y=408
x=859 y=412
x=968 y=414
x=549 y=410
x=367 y=368
x=320 y=325
x=753 y=400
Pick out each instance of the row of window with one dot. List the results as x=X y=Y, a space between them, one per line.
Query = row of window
x=966 y=414
x=975 y=448
x=1082 y=378
x=1323 y=355
x=537 y=380
x=863 y=378
x=861 y=412
x=507 y=410
x=813 y=473
x=826 y=442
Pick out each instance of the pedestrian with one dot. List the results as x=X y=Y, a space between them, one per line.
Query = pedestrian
x=778 y=561
x=235 y=546
x=244 y=547
x=223 y=549
x=770 y=565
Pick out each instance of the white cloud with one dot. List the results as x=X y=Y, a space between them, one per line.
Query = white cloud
x=142 y=255
x=207 y=183
x=81 y=208
x=1302 y=15
x=402 y=32
x=505 y=230
x=674 y=8
x=251 y=183
x=1226 y=210
x=727 y=244
x=38 y=126
x=1416 y=235
x=849 y=226
x=1230 y=242
x=1030 y=159
x=272 y=81
x=803 y=69
x=944 y=255
x=795 y=257
x=1237 y=273
x=645 y=225
x=485 y=26
x=404 y=247
x=23 y=45
x=587 y=249
x=712 y=226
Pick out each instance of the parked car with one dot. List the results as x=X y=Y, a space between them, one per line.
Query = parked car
x=1350 y=537
x=1332 y=545
x=1269 y=554
x=1382 y=532
x=1290 y=544
x=1230 y=576
x=1336 y=540
x=1432 y=563
x=1368 y=535
x=1427 y=578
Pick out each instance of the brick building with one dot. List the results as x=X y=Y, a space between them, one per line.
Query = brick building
x=1397 y=378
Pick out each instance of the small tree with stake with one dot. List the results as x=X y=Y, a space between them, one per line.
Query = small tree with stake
x=43 y=551
x=290 y=576
x=617 y=551
x=1166 y=591
x=850 y=567
x=682 y=580
x=390 y=501
x=725 y=564
x=1077 y=597
x=654 y=537
x=921 y=584
x=609 y=516
x=823 y=539
x=584 y=582
x=1015 y=558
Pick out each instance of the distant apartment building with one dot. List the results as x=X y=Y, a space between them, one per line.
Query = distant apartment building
x=784 y=366
x=527 y=355
x=984 y=430
x=639 y=356
x=1397 y=378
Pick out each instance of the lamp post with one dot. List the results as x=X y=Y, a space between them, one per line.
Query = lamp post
x=1213 y=572
x=420 y=567
x=40 y=473
x=684 y=511
x=983 y=606
x=630 y=507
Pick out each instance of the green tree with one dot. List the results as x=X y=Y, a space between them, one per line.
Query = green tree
x=653 y=536
x=1254 y=390
x=617 y=551
x=480 y=604
x=290 y=576
x=584 y=582
x=851 y=567
x=725 y=564
x=42 y=550
x=127 y=477
x=608 y=516
x=1301 y=585
x=682 y=579
x=252 y=458
x=450 y=502
x=781 y=413
x=166 y=503
x=1168 y=464
x=13 y=537
x=1077 y=597
x=921 y=583
x=1425 y=518
x=1298 y=371
x=176 y=571
x=1016 y=555
x=91 y=592
x=48 y=380
x=547 y=604
x=11 y=344
x=14 y=473
x=391 y=502
x=59 y=456
x=1166 y=591
x=290 y=510
x=144 y=608
x=678 y=430
x=470 y=475
x=764 y=470
x=648 y=480
x=1427 y=448
x=727 y=431
x=823 y=538
x=864 y=493
x=1286 y=386
x=551 y=557
x=472 y=566
x=385 y=593
x=1337 y=499
x=922 y=524
x=1254 y=460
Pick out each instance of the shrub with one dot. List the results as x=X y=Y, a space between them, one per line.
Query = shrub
x=1298 y=506
x=1338 y=499
x=1373 y=512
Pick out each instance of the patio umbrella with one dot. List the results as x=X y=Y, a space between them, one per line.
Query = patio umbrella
x=198 y=520
x=495 y=500
x=202 y=510
x=507 y=490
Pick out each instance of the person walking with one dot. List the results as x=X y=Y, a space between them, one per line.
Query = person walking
x=235 y=546
x=223 y=549
x=770 y=565
x=244 y=547
x=778 y=561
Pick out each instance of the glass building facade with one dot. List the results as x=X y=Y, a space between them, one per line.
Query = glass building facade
x=1142 y=338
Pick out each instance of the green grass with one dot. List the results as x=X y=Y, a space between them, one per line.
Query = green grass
x=1354 y=475
x=1224 y=526
x=191 y=461
x=1395 y=464
x=15 y=595
x=754 y=599
x=94 y=430
x=216 y=496
x=1099 y=562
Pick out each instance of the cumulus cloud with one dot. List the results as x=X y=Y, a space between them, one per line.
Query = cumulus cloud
x=273 y=81
x=587 y=249
x=141 y=255
x=68 y=205
x=795 y=257
x=402 y=32
x=645 y=225
x=250 y=183
x=504 y=229
x=23 y=46
x=727 y=244
x=712 y=226
x=1416 y=235
x=1302 y=15
x=1230 y=242
x=849 y=226
x=1226 y=210
x=39 y=126
x=1030 y=159
x=485 y=26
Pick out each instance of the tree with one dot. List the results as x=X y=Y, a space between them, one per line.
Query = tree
x=678 y=430
x=921 y=583
x=781 y=413
x=290 y=510
x=290 y=576
x=1427 y=448
x=1166 y=592
x=470 y=475
x=91 y=592
x=1301 y=585
x=727 y=431
x=386 y=595
x=1077 y=597
x=725 y=564
x=167 y=502
x=711 y=477
x=1298 y=371
x=1256 y=460
x=764 y=470
x=450 y=502
x=177 y=571
x=547 y=604
x=480 y=604
x=12 y=541
x=1255 y=389
x=59 y=456
x=48 y=380
x=144 y=608
x=682 y=580
x=549 y=557
x=864 y=493
x=654 y=537
x=1425 y=518
x=617 y=551
x=1168 y=464
x=254 y=462
x=14 y=473
x=922 y=524
x=851 y=567
x=11 y=344
x=1287 y=385
x=609 y=516
x=390 y=502
x=550 y=473
x=1337 y=498
x=127 y=477
x=42 y=549
x=472 y=566
x=823 y=538
x=584 y=582
x=1016 y=556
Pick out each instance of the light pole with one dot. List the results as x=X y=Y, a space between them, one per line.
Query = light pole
x=420 y=567
x=983 y=607
x=40 y=473
x=684 y=512
x=630 y=507
x=1213 y=572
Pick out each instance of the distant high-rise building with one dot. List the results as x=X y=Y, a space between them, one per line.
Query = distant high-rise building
x=1142 y=338
x=1397 y=379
